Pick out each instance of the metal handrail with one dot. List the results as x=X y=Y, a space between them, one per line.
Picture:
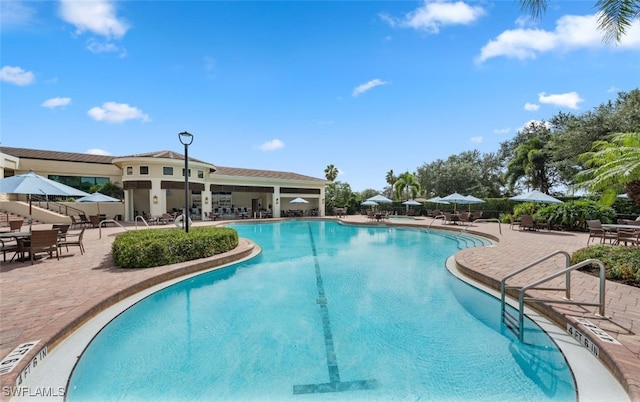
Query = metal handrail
x=436 y=217
x=140 y=217
x=485 y=220
x=107 y=221
x=534 y=285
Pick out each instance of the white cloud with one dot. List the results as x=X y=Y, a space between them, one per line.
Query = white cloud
x=16 y=75
x=104 y=47
x=612 y=90
x=506 y=130
x=571 y=32
x=272 y=145
x=97 y=151
x=96 y=16
x=14 y=13
x=570 y=99
x=534 y=123
x=56 y=102
x=433 y=15
x=531 y=107
x=477 y=140
x=360 y=89
x=113 y=112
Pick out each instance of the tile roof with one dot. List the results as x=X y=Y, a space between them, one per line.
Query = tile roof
x=56 y=155
x=269 y=174
x=164 y=155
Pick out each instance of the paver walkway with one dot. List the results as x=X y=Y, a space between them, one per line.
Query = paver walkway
x=50 y=299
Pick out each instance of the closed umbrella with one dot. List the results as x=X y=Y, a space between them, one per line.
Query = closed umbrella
x=31 y=183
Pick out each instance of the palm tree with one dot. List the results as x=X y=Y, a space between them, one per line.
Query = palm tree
x=331 y=172
x=407 y=184
x=614 y=19
x=612 y=166
x=531 y=162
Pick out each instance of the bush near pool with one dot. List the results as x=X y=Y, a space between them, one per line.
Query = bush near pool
x=152 y=248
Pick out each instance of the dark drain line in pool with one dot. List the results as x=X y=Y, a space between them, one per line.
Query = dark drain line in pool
x=334 y=384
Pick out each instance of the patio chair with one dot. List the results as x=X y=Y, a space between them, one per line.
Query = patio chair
x=73 y=239
x=84 y=221
x=8 y=246
x=527 y=222
x=513 y=221
x=544 y=224
x=41 y=241
x=628 y=237
x=62 y=230
x=15 y=225
x=596 y=231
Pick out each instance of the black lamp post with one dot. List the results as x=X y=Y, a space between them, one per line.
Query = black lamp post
x=186 y=139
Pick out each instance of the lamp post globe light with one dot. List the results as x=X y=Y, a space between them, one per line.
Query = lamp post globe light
x=186 y=139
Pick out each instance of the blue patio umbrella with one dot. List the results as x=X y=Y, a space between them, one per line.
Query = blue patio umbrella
x=473 y=200
x=411 y=202
x=97 y=197
x=31 y=183
x=536 y=196
x=456 y=198
x=380 y=199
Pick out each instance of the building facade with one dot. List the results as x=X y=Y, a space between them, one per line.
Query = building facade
x=154 y=183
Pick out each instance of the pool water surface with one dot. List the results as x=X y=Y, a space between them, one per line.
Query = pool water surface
x=326 y=312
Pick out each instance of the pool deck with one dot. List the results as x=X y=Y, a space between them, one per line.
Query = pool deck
x=49 y=300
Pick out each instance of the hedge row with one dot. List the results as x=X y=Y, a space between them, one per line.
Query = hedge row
x=622 y=263
x=152 y=248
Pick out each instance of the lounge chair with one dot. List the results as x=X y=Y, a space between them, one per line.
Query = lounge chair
x=513 y=221
x=628 y=237
x=596 y=231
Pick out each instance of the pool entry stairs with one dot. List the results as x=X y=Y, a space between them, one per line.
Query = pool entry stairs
x=513 y=319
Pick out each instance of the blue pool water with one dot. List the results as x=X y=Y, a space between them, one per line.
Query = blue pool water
x=325 y=312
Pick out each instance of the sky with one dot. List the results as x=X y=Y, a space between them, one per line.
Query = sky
x=367 y=86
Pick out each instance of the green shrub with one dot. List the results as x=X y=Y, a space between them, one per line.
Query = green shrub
x=622 y=263
x=573 y=215
x=152 y=248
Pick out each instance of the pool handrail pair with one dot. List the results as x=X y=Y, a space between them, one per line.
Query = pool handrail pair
x=518 y=328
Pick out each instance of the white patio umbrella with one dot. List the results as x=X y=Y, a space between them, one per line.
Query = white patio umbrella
x=369 y=203
x=473 y=200
x=536 y=196
x=456 y=198
x=31 y=183
x=380 y=199
x=437 y=200
x=411 y=202
x=97 y=197
x=298 y=201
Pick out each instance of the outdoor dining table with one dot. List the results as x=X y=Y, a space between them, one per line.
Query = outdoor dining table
x=20 y=237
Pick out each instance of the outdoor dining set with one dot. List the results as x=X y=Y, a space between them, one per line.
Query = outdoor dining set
x=26 y=245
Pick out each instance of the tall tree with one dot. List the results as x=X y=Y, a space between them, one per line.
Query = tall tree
x=331 y=172
x=531 y=162
x=613 y=165
x=390 y=178
x=406 y=185
x=614 y=17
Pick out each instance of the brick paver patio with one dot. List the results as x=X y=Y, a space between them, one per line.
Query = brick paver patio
x=52 y=298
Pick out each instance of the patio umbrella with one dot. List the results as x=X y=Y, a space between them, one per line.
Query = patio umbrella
x=411 y=202
x=380 y=199
x=473 y=200
x=298 y=201
x=97 y=197
x=31 y=183
x=536 y=196
x=369 y=203
x=437 y=200
x=456 y=198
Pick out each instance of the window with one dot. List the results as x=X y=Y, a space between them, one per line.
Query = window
x=144 y=169
x=129 y=170
x=183 y=172
x=200 y=174
x=167 y=170
x=83 y=183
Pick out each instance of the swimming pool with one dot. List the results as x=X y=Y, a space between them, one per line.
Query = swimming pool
x=327 y=311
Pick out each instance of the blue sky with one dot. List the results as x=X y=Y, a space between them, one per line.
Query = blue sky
x=367 y=86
